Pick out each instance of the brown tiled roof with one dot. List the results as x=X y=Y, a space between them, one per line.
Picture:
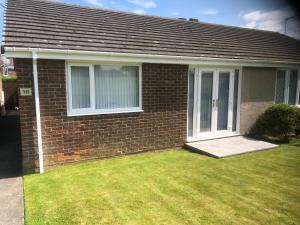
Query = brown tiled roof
x=52 y=25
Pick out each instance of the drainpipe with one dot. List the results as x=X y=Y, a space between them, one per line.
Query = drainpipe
x=37 y=110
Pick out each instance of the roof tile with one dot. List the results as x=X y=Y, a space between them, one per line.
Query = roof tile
x=52 y=25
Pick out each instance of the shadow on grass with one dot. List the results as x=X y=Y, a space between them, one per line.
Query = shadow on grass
x=295 y=141
x=291 y=140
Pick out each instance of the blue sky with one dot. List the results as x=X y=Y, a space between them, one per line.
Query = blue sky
x=259 y=14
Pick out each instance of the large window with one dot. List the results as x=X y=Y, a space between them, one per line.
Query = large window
x=97 y=89
x=287 y=86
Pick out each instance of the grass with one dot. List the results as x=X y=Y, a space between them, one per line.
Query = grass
x=170 y=187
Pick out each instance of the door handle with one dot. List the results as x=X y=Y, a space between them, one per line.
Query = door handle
x=214 y=103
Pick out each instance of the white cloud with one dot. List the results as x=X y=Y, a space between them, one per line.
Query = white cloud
x=139 y=11
x=143 y=3
x=209 y=12
x=273 y=21
x=95 y=2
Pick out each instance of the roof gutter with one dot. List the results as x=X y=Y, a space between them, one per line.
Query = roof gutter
x=37 y=111
x=13 y=52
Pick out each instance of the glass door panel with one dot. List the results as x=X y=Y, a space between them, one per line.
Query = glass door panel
x=206 y=97
x=235 y=100
x=191 y=102
x=223 y=100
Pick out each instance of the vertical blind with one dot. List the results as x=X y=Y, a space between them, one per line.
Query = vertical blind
x=206 y=101
x=115 y=87
x=293 y=87
x=286 y=86
x=235 y=99
x=280 y=84
x=80 y=82
x=223 y=100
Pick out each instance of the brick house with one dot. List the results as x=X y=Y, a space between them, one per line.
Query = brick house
x=108 y=83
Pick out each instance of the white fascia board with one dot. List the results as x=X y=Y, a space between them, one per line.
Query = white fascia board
x=12 y=52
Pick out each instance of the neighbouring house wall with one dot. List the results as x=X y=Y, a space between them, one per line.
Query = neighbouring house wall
x=163 y=123
x=257 y=94
x=10 y=95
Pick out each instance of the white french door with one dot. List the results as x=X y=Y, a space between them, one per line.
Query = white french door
x=213 y=103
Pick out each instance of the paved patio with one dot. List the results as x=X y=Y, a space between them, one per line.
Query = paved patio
x=11 y=201
x=230 y=146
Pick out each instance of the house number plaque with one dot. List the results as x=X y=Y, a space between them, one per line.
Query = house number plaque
x=25 y=92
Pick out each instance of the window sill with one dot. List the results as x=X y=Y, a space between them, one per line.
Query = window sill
x=71 y=114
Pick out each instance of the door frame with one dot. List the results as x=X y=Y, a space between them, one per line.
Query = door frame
x=217 y=134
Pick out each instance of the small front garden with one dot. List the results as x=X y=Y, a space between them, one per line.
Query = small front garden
x=170 y=187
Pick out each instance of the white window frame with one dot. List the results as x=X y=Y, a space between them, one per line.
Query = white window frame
x=287 y=84
x=92 y=109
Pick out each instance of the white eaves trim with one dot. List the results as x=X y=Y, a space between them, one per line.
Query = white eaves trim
x=13 y=52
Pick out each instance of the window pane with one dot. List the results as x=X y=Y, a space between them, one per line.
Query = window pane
x=280 y=84
x=206 y=101
x=223 y=100
x=80 y=82
x=191 y=102
x=116 y=86
x=293 y=87
x=235 y=99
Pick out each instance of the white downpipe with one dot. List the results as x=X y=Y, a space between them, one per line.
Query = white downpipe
x=37 y=111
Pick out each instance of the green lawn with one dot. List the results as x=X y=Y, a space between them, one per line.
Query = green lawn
x=170 y=187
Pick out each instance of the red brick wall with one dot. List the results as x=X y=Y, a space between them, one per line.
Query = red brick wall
x=67 y=139
x=27 y=115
